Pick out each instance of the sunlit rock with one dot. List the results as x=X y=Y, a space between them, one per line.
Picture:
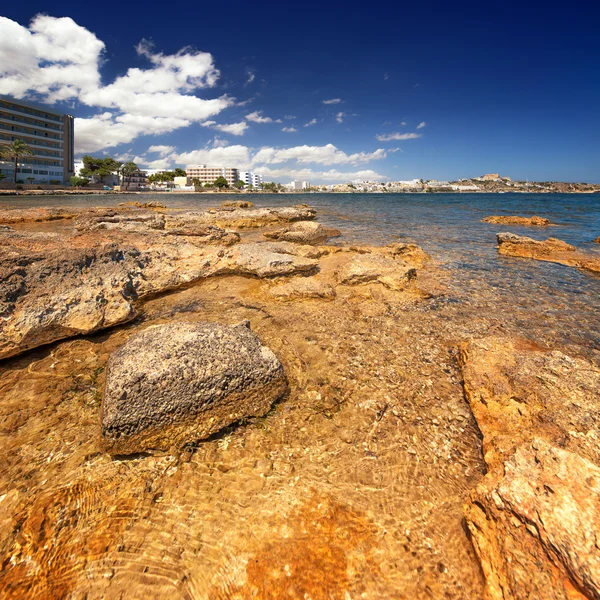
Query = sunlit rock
x=178 y=383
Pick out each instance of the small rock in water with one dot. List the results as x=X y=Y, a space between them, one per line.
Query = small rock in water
x=178 y=383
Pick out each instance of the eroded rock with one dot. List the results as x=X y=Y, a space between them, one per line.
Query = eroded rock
x=303 y=232
x=303 y=287
x=252 y=217
x=237 y=204
x=31 y=215
x=516 y=220
x=135 y=221
x=367 y=268
x=550 y=250
x=178 y=383
x=535 y=528
x=538 y=507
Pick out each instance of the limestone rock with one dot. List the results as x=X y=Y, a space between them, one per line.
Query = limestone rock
x=69 y=292
x=367 y=268
x=178 y=383
x=537 y=511
x=252 y=217
x=516 y=220
x=134 y=221
x=237 y=204
x=302 y=287
x=411 y=253
x=535 y=528
x=551 y=250
x=303 y=232
x=597 y=240
x=144 y=204
x=517 y=390
x=9 y=214
x=265 y=260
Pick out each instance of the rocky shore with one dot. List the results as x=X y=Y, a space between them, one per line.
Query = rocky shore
x=223 y=404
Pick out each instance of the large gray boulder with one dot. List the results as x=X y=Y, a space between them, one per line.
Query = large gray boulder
x=178 y=383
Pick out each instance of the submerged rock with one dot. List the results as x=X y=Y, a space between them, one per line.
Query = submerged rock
x=368 y=268
x=303 y=232
x=538 y=508
x=516 y=220
x=550 y=250
x=178 y=383
x=303 y=287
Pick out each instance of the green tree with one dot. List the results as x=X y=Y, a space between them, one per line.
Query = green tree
x=15 y=150
x=239 y=184
x=197 y=184
x=2 y=176
x=180 y=173
x=127 y=170
x=97 y=168
x=221 y=182
x=76 y=181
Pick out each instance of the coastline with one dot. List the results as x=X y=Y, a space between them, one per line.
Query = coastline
x=376 y=448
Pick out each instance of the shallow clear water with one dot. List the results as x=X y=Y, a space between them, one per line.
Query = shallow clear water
x=354 y=485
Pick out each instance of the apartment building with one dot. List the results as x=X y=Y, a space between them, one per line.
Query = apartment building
x=210 y=174
x=250 y=178
x=49 y=134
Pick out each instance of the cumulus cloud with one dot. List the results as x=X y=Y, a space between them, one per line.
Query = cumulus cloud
x=279 y=163
x=162 y=150
x=388 y=137
x=233 y=128
x=289 y=129
x=55 y=59
x=333 y=101
x=340 y=117
x=421 y=125
x=311 y=123
x=257 y=117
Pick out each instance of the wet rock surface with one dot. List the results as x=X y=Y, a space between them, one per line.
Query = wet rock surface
x=551 y=250
x=538 y=507
x=366 y=268
x=303 y=287
x=175 y=384
x=516 y=220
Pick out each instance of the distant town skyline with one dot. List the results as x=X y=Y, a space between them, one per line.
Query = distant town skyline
x=391 y=93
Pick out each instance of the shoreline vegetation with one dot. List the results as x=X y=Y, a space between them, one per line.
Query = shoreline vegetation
x=222 y=403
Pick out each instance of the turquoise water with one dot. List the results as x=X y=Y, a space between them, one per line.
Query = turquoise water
x=551 y=303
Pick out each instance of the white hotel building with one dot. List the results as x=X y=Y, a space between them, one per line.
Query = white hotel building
x=250 y=178
x=47 y=132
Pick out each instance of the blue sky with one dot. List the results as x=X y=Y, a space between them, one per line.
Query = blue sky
x=325 y=92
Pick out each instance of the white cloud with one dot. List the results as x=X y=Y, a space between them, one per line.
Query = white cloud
x=333 y=101
x=161 y=150
x=278 y=162
x=324 y=155
x=289 y=129
x=385 y=76
x=256 y=117
x=395 y=150
x=233 y=128
x=332 y=175
x=421 y=125
x=251 y=76
x=388 y=137
x=403 y=123
x=340 y=117
x=311 y=123
x=56 y=59
x=289 y=117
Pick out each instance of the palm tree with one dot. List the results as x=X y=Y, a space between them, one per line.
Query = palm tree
x=127 y=170
x=15 y=150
